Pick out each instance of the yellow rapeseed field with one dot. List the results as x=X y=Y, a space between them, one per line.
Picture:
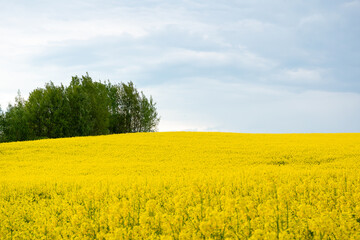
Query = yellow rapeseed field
x=182 y=186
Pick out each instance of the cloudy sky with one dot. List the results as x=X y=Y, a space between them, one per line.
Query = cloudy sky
x=237 y=66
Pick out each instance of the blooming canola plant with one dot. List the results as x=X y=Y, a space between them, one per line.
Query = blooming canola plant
x=182 y=186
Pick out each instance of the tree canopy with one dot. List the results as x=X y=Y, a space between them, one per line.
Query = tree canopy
x=83 y=108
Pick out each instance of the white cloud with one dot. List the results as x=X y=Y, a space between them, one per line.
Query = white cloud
x=254 y=25
x=252 y=60
x=241 y=58
x=352 y=4
x=312 y=19
x=302 y=76
x=58 y=33
x=187 y=56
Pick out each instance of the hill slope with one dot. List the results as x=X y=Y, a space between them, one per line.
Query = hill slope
x=182 y=185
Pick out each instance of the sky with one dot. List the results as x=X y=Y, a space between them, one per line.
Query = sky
x=233 y=66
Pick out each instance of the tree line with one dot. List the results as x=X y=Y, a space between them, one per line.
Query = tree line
x=83 y=108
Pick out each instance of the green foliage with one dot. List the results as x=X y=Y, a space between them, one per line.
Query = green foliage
x=149 y=116
x=83 y=108
x=2 y=118
x=15 y=126
x=130 y=110
x=48 y=111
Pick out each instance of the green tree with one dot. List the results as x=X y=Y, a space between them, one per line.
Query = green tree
x=83 y=108
x=134 y=111
x=2 y=118
x=57 y=111
x=48 y=111
x=149 y=116
x=36 y=109
x=116 y=119
x=99 y=105
x=16 y=126
x=89 y=106
x=130 y=107
x=80 y=117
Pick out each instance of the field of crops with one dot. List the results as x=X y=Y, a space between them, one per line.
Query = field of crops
x=182 y=186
